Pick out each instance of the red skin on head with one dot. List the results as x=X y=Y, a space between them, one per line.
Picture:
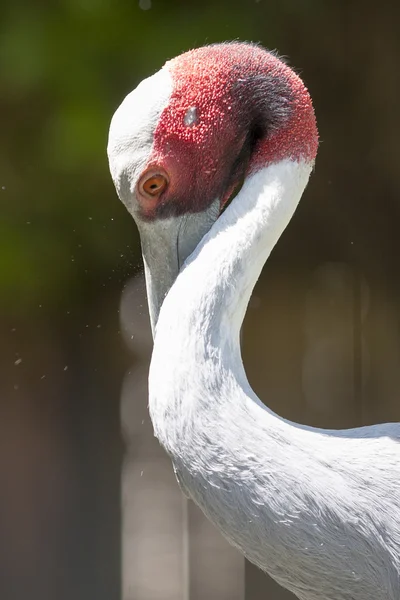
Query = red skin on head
x=207 y=121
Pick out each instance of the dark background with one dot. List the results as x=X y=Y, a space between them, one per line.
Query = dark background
x=67 y=247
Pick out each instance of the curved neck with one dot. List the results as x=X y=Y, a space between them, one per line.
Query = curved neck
x=196 y=362
x=208 y=301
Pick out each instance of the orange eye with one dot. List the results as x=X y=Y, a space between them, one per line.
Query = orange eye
x=152 y=184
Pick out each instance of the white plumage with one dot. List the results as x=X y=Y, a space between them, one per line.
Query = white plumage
x=319 y=510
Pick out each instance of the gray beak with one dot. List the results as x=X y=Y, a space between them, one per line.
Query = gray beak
x=166 y=244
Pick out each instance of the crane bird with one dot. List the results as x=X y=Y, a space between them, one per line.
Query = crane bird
x=211 y=156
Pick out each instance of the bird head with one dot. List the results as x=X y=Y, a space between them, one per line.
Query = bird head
x=183 y=142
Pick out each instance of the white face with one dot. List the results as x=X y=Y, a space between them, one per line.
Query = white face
x=131 y=133
x=130 y=146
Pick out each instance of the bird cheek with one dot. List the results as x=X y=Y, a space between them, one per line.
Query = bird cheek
x=147 y=208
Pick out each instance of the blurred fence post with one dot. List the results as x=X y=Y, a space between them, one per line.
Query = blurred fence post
x=152 y=541
x=170 y=550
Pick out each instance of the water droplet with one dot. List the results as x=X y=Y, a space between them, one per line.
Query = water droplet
x=18 y=361
x=145 y=4
x=191 y=117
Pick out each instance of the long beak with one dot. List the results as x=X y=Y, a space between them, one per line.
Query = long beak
x=166 y=244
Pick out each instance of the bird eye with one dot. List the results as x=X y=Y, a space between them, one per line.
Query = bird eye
x=152 y=184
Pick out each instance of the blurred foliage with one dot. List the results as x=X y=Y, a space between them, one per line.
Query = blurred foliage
x=64 y=68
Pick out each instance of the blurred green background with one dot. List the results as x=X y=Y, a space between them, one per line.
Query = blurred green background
x=67 y=245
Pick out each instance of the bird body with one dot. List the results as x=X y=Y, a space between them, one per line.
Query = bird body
x=319 y=510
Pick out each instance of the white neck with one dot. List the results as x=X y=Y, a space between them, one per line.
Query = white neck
x=283 y=494
x=202 y=315
x=203 y=410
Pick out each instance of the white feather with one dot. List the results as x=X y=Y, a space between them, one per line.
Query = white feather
x=130 y=139
x=318 y=510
